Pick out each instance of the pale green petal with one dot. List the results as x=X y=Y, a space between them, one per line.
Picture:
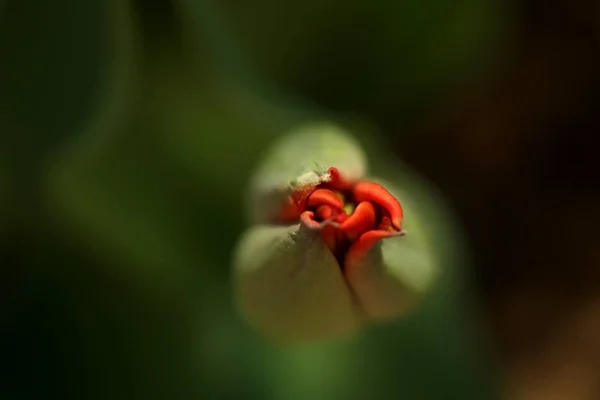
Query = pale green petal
x=398 y=271
x=301 y=158
x=289 y=286
x=412 y=257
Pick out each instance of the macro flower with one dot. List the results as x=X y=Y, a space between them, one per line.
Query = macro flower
x=327 y=250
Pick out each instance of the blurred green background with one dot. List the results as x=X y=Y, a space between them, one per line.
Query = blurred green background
x=128 y=130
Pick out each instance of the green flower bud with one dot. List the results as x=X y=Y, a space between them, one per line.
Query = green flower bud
x=330 y=251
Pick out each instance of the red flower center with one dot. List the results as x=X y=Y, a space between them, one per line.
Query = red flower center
x=351 y=216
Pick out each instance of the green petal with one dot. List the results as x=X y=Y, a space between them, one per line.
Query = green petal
x=398 y=271
x=289 y=286
x=301 y=159
x=412 y=256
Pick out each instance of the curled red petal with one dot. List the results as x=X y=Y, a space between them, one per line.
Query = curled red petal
x=308 y=219
x=380 y=295
x=369 y=191
x=362 y=220
x=338 y=181
x=341 y=217
x=324 y=197
x=324 y=213
x=360 y=248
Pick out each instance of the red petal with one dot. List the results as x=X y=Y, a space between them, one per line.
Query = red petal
x=324 y=197
x=341 y=217
x=338 y=181
x=362 y=220
x=289 y=211
x=324 y=213
x=369 y=191
x=359 y=249
x=379 y=294
x=307 y=218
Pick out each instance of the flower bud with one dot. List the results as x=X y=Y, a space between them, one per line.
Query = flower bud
x=329 y=250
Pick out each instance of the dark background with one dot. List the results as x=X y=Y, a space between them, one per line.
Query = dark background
x=128 y=130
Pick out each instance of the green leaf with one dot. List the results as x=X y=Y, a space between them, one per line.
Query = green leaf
x=58 y=58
